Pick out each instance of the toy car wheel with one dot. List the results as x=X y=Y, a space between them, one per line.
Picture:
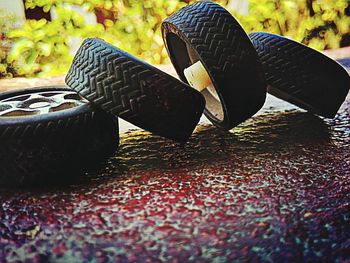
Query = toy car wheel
x=301 y=75
x=135 y=91
x=211 y=51
x=50 y=134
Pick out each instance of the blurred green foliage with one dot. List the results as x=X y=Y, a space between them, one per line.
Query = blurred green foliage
x=45 y=47
x=320 y=24
x=7 y=24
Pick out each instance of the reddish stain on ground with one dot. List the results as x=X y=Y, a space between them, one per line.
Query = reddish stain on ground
x=277 y=188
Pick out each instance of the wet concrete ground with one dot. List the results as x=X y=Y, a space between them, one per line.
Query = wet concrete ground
x=277 y=188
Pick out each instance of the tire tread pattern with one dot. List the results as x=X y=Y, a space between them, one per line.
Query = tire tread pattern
x=52 y=148
x=227 y=53
x=135 y=91
x=301 y=75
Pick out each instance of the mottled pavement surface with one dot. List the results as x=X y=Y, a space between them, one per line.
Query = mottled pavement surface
x=277 y=188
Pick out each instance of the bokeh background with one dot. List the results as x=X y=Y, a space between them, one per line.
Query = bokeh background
x=38 y=38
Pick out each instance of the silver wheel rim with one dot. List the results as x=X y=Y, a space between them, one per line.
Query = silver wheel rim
x=39 y=103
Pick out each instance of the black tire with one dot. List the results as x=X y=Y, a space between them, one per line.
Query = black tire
x=54 y=147
x=207 y=32
x=301 y=75
x=135 y=91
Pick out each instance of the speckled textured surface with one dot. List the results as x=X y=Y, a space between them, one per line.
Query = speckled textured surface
x=275 y=189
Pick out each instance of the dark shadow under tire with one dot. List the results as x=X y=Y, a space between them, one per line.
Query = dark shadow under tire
x=54 y=147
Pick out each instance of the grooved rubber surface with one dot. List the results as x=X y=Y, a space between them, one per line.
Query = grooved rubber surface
x=54 y=147
x=276 y=189
x=301 y=75
x=226 y=52
x=135 y=91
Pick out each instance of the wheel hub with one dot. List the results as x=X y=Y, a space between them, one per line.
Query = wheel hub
x=40 y=103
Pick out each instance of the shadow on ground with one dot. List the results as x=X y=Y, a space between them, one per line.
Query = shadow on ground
x=267 y=133
x=274 y=189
